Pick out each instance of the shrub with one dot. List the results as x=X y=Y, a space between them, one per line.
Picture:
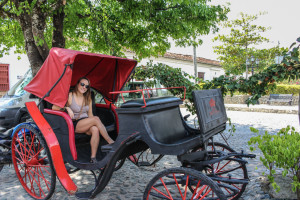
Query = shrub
x=280 y=151
x=286 y=89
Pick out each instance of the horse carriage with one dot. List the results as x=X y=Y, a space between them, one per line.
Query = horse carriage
x=42 y=148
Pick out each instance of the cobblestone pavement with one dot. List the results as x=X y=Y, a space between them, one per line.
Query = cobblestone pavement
x=130 y=181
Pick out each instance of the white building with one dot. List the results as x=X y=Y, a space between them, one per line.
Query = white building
x=18 y=66
x=206 y=68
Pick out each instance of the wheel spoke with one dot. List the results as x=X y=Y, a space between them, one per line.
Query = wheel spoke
x=227 y=171
x=25 y=144
x=37 y=182
x=200 y=192
x=160 y=192
x=21 y=149
x=166 y=188
x=177 y=185
x=186 y=185
x=43 y=177
x=217 y=170
x=198 y=184
x=205 y=194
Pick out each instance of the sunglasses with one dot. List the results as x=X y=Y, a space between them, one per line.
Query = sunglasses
x=86 y=86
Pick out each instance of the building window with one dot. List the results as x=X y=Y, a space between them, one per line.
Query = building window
x=201 y=75
x=4 y=77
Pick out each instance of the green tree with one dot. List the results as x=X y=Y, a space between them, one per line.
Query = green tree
x=241 y=44
x=106 y=26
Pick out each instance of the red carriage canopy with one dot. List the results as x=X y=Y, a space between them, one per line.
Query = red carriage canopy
x=106 y=74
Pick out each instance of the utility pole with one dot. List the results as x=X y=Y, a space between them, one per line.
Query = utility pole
x=246 y=61
x=195 y=62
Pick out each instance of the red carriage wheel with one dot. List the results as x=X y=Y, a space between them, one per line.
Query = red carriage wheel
x=227 y=169
x=32 y=162
x=174 y=184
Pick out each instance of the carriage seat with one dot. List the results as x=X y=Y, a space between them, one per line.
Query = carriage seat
x=149 y=102
x=56 y=124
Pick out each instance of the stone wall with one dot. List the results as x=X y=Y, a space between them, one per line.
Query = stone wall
x=241 y=99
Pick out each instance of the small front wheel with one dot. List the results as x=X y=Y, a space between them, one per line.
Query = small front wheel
x=228 y=169
x=174 y=184
x=32 y=162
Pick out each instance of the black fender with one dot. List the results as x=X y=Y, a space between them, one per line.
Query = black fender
x=21 y=112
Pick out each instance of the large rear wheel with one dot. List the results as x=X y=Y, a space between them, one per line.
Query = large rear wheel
x=32 y=162
x=174 y=184
x=230 y=169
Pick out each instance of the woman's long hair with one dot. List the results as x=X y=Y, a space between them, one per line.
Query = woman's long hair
x=87 y=94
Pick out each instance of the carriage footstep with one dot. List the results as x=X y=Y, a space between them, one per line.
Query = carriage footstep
x=106 y=148
x=144 y=164
x=83 y=195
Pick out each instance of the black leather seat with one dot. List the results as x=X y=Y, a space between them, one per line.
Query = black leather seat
x=149 y=102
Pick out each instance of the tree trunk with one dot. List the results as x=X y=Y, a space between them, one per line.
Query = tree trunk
x=38 y=26
x=58 y=39
x=33 y=54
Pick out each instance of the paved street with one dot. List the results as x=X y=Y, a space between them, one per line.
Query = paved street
x=130 y=181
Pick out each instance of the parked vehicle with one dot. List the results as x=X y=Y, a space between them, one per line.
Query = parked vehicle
x=41 y=149
x=12 y=104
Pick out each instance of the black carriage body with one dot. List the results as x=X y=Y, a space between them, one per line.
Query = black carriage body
x=161 y=125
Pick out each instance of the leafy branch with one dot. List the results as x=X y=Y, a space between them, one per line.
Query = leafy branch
x=256 y=86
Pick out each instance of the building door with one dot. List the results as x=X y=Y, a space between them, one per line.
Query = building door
x=4 y=77
x=201 y=75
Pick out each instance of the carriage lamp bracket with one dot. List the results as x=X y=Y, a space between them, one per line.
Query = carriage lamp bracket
x=48 y=93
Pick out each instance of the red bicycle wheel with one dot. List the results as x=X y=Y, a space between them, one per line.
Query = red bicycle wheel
x=32 y=162
x=174 y=184
x=228 y=169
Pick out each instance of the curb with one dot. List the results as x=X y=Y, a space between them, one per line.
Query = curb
x=265 y=110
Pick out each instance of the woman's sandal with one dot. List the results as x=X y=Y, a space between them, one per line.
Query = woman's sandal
x=93 y=160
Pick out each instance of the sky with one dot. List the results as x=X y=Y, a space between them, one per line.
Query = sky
x=282 y=17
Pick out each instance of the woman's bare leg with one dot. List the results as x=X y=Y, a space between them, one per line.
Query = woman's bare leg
x=94 y=132
x=84 y=125
x=103 y=131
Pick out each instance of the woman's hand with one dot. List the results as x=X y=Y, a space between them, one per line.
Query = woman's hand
x=70 y=112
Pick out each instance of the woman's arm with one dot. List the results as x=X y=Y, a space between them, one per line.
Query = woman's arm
x=55 y=107
x=90 y=113
x=66 y=108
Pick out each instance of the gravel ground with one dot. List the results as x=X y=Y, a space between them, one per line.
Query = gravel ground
x=130 y=181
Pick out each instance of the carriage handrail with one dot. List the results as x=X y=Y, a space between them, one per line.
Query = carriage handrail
x=148 y=89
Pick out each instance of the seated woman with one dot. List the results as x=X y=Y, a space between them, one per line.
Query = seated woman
x=79 y=107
